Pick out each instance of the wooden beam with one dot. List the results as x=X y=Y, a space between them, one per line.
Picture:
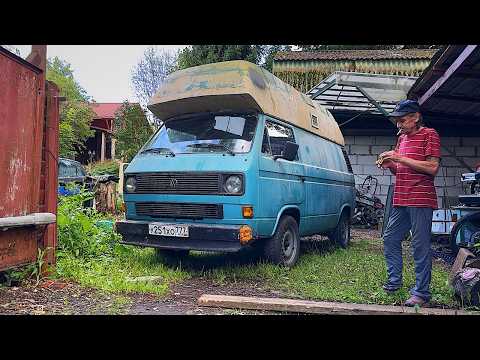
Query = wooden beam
x=451 y=69
x=464 y=74
x=475 y=100
x=316 y=307
x=103 y=148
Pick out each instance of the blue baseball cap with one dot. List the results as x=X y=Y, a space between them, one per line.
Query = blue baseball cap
x=405 y=107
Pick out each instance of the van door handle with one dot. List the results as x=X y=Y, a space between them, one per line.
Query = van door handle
x=302 y=178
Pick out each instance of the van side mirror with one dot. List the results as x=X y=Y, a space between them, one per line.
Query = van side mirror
x=290 y=152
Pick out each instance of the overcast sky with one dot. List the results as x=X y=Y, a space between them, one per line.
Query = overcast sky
x=102 y=70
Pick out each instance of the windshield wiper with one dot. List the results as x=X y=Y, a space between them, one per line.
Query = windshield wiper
x=210 y=145
x=159 y=150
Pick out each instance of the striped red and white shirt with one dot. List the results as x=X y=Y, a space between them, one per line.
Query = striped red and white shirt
x=413 y=188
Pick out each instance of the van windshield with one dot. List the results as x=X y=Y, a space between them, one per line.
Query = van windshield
x=206 y=133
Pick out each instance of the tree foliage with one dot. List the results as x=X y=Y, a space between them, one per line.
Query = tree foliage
x=206 y=54
x=131 y=129
x=151 y=71
x=75 y=113
x=270 y=51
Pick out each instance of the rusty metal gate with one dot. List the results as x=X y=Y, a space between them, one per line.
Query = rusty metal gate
x=28 y=159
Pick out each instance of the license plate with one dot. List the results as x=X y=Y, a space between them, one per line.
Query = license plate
x=168 y=230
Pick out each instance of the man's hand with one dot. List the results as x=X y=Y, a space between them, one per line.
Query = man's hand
x=387 y=164
x=391 y=155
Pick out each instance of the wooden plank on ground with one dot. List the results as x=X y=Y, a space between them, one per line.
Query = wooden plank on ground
x=316 y=307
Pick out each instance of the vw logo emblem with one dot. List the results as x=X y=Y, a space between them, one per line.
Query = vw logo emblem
x=173 y=183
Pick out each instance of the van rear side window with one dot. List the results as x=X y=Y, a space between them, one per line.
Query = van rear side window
x=347 y=160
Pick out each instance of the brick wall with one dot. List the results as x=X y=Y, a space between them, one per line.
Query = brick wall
x=363 y=151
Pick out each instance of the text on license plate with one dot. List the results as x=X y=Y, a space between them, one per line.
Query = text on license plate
x=168 y=230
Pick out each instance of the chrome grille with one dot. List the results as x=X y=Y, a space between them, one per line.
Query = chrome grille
x=179 y=210
x=179 y=183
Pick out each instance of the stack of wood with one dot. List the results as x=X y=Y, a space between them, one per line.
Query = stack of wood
x=106 y=196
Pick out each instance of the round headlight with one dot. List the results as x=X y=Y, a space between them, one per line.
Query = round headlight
x=233 y=185
x=130 y=184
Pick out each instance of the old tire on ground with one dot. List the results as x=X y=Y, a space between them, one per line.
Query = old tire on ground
x=341 y=234
x=170 y=256
x=284 y=247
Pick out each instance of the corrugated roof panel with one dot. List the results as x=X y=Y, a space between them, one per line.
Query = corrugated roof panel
x=354 y=54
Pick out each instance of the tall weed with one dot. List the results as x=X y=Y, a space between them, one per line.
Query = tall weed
x=78 y=232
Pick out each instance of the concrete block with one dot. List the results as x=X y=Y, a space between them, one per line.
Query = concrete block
x=465 y=150
x=449 y=161
x=383 y=198
x=382 y=190
x=366 y=160
x=384 y=180
x=373 y=170
x=353 y=159
x=359 y=179
x=349 y=140
x=360 y=149
x=450 y=140
x=440 y=202
x=378 y=149
x=471 y=141
x=444 y=181
x=364 y=140
x=452 y=171
x=471 y=161
x=358 y=169
x=451 y=191
x=444 y=152
x=385 y=140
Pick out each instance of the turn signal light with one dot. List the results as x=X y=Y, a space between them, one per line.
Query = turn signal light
x=245 y=234
x=454 y=217
x=247 y=212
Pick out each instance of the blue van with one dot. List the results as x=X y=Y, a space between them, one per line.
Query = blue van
x=242 y=159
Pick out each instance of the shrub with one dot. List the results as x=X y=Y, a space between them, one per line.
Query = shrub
x=102 y=168
x=80 y=230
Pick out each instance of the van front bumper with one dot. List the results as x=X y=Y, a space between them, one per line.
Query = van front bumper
x=204 y=237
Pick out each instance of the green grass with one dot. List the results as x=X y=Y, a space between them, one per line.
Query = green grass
x=323 y=273
x=112 y=274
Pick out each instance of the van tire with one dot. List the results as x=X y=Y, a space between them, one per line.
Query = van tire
x=341 y=234
x=284 y=247
x=171 y=256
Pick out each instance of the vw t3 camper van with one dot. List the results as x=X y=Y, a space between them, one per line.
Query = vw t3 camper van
x=242 y=159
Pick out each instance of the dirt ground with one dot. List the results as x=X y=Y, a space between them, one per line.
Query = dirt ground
x=61 y=297
x=64 y=297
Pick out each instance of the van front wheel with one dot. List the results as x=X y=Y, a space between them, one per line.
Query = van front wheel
x=284 y=247
x=341 y=234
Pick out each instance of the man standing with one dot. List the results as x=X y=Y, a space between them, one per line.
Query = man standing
x=414 y=162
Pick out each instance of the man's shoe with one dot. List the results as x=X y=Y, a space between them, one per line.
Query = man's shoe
x=415 y=300
x=390 y=289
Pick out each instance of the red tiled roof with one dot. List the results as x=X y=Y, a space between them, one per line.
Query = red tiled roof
x=105 y=110
x=355 y=54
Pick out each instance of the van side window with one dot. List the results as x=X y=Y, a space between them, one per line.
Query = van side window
x=347 y=160
x=266 y=144
x=278 y=136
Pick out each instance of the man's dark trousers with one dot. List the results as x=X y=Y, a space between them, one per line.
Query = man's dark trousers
x=419 y=221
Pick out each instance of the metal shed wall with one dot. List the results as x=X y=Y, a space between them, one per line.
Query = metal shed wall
x=28 y=165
